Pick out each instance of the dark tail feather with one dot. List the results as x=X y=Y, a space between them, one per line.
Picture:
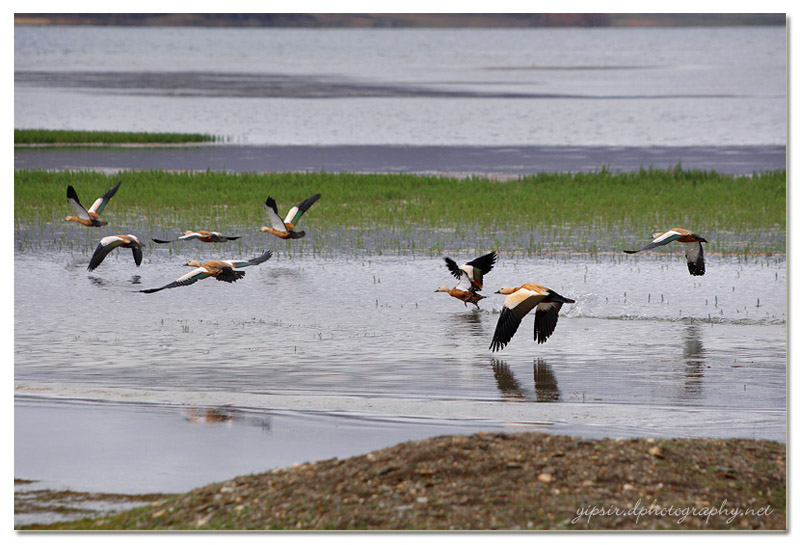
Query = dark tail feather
x=554 y=297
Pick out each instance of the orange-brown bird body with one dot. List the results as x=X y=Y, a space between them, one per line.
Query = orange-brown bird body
x=90 y=217
x=518 y=303
x=694 y=249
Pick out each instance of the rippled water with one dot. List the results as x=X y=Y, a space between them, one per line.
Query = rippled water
x=374 y=327
x=565 y=87
x=337 y=356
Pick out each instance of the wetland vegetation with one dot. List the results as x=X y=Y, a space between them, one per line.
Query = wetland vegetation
x=548 y=212
x=66 y=138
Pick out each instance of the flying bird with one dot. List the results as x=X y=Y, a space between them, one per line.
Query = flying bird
x=474 y=270
x=202 y=236
x=519 y=302
x=284 y=228
x=463 y=291
x=221 y=270
x=694 y=248
x=114 y=241
x=89 y=218
x=470 y=278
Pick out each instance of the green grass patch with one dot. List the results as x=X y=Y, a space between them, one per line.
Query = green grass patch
x=573 y=212
x=40 y=136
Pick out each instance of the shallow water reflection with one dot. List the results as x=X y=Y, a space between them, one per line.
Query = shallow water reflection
x=546 y=383
x=507 y=382
x=645 y=350
x=694 y=360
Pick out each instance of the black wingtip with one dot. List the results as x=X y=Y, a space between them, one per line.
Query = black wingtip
x=271 y=204
x=262 y=258
x=306 y=204
x=696 y=271
x=452 y=266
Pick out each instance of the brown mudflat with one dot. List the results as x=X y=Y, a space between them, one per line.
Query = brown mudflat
x=513 y=481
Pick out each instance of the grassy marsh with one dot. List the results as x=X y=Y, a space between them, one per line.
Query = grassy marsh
x=548 y=212
x=42 y=136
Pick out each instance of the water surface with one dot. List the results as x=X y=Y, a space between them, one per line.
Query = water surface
x=464 y=87
x=308 y=358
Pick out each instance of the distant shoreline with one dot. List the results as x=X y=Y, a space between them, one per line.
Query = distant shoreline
x=494 y=161
x=403 y=20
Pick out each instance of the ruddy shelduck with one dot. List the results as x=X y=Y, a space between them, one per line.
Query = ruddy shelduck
x=89 y=218
x=470 y=278
x=115 y=241
x=284 y=228
x=475 y=269
x=221 y=270
x=202 y=236
x=694 y=248
x=519 y=302
x=463 y=291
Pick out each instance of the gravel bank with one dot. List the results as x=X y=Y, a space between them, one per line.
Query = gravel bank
x=495 y=481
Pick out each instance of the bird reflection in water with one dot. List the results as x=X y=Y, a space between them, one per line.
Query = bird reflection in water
x=507 y=383
x=544 y=383
x=694 y=359
x=469 y=321
x=226 y=416
x=97 y=281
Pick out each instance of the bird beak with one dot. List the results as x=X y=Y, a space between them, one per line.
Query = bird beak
x=498 y=291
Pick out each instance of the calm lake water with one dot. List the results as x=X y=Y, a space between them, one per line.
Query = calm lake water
x=489 y=87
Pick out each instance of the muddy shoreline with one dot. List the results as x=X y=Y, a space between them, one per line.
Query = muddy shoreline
x=520 y=481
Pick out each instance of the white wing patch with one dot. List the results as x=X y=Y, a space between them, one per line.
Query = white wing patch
x=79 y=210
x=275 y=220
x=192 y=274
x=96 y=205
x=464 y=283
x=514 y=299
x=693 y=250
x=105 y=241
x=545 y=307
x=667 y=235
x=290 y=216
